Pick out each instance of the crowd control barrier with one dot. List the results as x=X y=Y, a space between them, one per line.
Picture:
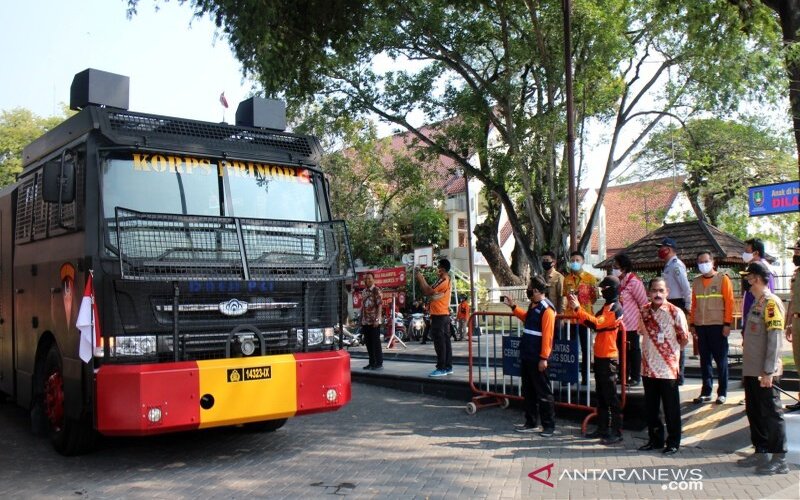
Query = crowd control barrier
x=494 y=367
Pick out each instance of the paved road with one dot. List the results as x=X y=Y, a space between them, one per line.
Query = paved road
x=385 y=444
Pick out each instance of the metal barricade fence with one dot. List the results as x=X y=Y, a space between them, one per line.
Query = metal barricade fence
x=494 y=375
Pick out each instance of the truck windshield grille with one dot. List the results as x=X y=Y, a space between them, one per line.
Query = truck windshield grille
x=185 y=247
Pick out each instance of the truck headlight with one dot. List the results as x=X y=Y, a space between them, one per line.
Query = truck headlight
x=140 y=345
x=316 y=336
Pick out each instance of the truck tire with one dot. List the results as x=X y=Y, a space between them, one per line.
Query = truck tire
x=68 y=436
x=265 y=426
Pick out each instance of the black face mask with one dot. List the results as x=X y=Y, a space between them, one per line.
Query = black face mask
x=609 y=294
x=745 y=285
x=796 y=260
x=546 y=265
x=529 y=293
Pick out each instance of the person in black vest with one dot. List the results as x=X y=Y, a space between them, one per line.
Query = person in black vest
x=534 y=349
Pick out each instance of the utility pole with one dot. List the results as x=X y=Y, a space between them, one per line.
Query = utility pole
x=573 y=197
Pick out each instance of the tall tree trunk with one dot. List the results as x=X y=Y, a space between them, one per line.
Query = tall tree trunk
x=487 y=244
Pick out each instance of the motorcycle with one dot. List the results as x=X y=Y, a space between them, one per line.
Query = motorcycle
x=348 y=338
x=416 y=326
x=453 y=327
x=400 y=327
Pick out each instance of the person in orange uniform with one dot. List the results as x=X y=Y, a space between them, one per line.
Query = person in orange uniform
x=462 y=316
x=534 y=351
x=606 y=323
x=710 y=324
x=581 y=284
x=439 y=293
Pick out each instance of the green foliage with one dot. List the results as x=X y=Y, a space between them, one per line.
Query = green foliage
x=430 y=227
x=490 y=77
x=721 y=159
x=18 y=128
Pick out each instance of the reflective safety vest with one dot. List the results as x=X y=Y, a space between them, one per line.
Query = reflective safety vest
x=710 y=307
x=531 y=345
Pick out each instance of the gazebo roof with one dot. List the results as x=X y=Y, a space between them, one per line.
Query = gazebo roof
x=692 y=237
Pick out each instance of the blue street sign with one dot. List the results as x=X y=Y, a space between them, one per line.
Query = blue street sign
x=511 y=363
x=774 y=199
x=563 y=363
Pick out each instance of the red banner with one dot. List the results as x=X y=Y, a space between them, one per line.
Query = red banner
x=392 y=277
x=391 y=281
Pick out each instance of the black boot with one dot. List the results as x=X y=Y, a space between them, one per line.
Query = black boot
x=776 y=466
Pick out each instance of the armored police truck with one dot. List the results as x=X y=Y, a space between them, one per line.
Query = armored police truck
x=160 y=274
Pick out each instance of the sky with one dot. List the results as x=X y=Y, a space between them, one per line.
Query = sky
x=176 y=64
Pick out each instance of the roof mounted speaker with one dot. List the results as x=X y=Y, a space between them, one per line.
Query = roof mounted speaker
x=262 y=113
x=92 y=87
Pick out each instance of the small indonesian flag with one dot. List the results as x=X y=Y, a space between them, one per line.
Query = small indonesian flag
x=222 y=100
x=87 y=322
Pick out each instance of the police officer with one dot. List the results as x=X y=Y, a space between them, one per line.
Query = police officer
x=761 y=366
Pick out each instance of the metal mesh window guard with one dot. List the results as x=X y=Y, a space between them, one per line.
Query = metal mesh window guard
x=180 y=247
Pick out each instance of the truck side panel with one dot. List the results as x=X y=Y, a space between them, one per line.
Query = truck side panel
x=7 y=378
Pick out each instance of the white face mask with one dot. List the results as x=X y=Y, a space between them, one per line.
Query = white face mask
x=616 y=273
x=705 y=267
x=747 y=257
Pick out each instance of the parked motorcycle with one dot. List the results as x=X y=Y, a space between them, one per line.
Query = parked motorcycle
x=349 y=338
x=416 y=326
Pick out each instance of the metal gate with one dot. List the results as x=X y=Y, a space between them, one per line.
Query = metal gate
x=495 y=382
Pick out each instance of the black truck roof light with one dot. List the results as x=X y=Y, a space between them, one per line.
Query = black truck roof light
x=92 y=87
x=263 y=113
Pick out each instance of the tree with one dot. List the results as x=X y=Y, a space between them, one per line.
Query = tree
x=787 y=15
x=18 y=128
x=716 y=156
x=490 y=76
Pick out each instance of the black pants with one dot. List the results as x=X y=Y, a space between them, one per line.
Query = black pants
x=682 y=359
x=609 y=417
x=539 y=403
x=440 y=333
x=372 y=338
x=633 y=356
x=767 y=428
x=712 y=344
x=660 y=392
x=583 y=336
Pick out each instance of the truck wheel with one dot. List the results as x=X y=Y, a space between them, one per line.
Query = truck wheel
x=266 y=425
x=68 y=436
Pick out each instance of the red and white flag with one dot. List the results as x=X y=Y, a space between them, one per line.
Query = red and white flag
x=87 y=322
x=222 y=100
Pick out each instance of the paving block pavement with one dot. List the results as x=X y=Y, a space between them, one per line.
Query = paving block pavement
x=384 y=444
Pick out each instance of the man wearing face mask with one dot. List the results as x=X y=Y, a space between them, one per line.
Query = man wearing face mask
x=583 y=285
x=606 y=323
x=554 y=279
x=793 y=314
x=753 y=252
x=680 y=291
x=534 y=349
x=710 y=324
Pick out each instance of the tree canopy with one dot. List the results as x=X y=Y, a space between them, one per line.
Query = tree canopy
x=720 y=160
x=19 y=127
x=489 y=78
